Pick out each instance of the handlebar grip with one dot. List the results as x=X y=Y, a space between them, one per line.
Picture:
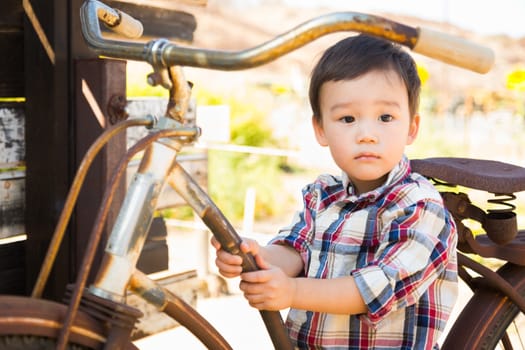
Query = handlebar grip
x=454 y=50
x=128 y=26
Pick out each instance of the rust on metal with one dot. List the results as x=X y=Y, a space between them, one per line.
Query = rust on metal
x=96 y=232
x=159 y=52
x=44 y=318
x=119 y=319
x=147 y=289
x=485 y=175
x=180 y=93
x=501 y=239
x=117 y=109
x=72 y=197
x=178 y=309
x=494 y=280
x=291 y=40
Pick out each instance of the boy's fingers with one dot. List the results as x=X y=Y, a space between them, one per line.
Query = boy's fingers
x=246 y=247
x=250 y=246
x=228 y=258
x=229 y=270
x=215 y=243
x=261 y=262
x=248 y=278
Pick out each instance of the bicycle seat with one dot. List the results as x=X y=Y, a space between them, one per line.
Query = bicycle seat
x=486 y=175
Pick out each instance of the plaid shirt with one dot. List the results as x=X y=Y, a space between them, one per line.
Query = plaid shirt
x=397 y=241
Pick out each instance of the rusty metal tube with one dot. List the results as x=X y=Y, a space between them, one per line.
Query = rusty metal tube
x=167 y=54
x=100 y=220
x=494 y=280
x=177 y=309
x=60 y=228
x=131 y=227
x=438 y=45
x=287 y=42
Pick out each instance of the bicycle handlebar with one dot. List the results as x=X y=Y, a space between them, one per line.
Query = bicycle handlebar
x=162 y=53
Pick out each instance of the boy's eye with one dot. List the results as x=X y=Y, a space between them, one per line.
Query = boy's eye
x=347 y=119
x=386 y=118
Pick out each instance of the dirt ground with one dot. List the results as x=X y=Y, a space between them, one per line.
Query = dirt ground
x=240 y=325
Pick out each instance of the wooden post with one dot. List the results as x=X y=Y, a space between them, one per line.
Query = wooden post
x=59 y=128
x=49 y=143
x=98 y=84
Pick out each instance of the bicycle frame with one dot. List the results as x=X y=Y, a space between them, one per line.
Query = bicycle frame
x=501 y=240
x=159 y=167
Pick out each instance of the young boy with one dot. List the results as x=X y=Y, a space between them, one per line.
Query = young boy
x=370 y=261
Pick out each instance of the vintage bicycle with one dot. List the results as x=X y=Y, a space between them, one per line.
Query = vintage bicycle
x=96 y=316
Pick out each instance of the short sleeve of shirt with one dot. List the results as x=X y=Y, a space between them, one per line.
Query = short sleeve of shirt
x=416 y=246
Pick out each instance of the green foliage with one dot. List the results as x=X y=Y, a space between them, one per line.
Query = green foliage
x=133 y=90
x=231 y=174
x=206 y=98
x=137 y=86
x=435 y=139
x=181 y=213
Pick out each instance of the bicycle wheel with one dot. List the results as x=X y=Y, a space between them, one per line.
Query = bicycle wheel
x=34 y=324
x=490 y=320
x=31 y=342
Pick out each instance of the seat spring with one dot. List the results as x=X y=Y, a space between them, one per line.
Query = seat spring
x=503 y=199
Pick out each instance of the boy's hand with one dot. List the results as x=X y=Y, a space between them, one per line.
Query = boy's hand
x=229 y=265
x=269 y=288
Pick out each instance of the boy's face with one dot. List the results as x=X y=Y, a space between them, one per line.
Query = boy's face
x=366 y=124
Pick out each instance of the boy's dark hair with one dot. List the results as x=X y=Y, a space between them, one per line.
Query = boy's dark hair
x=357 y=55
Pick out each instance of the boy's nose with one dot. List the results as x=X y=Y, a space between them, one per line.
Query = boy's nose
x=368 y=139
x=366 y=134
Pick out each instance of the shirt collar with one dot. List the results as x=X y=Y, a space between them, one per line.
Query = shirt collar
x=399 y=172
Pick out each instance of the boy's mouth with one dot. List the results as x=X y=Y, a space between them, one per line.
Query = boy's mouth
x=366 y=156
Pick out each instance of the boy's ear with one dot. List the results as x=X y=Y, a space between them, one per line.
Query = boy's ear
x=319 y=132
x=413 y=129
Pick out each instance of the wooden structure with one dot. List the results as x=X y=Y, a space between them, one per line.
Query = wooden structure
x=54 y=99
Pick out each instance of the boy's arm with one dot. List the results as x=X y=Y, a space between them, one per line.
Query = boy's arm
x=272 y=289
x=418 y=249
x=284 y=257
x=335 y=296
